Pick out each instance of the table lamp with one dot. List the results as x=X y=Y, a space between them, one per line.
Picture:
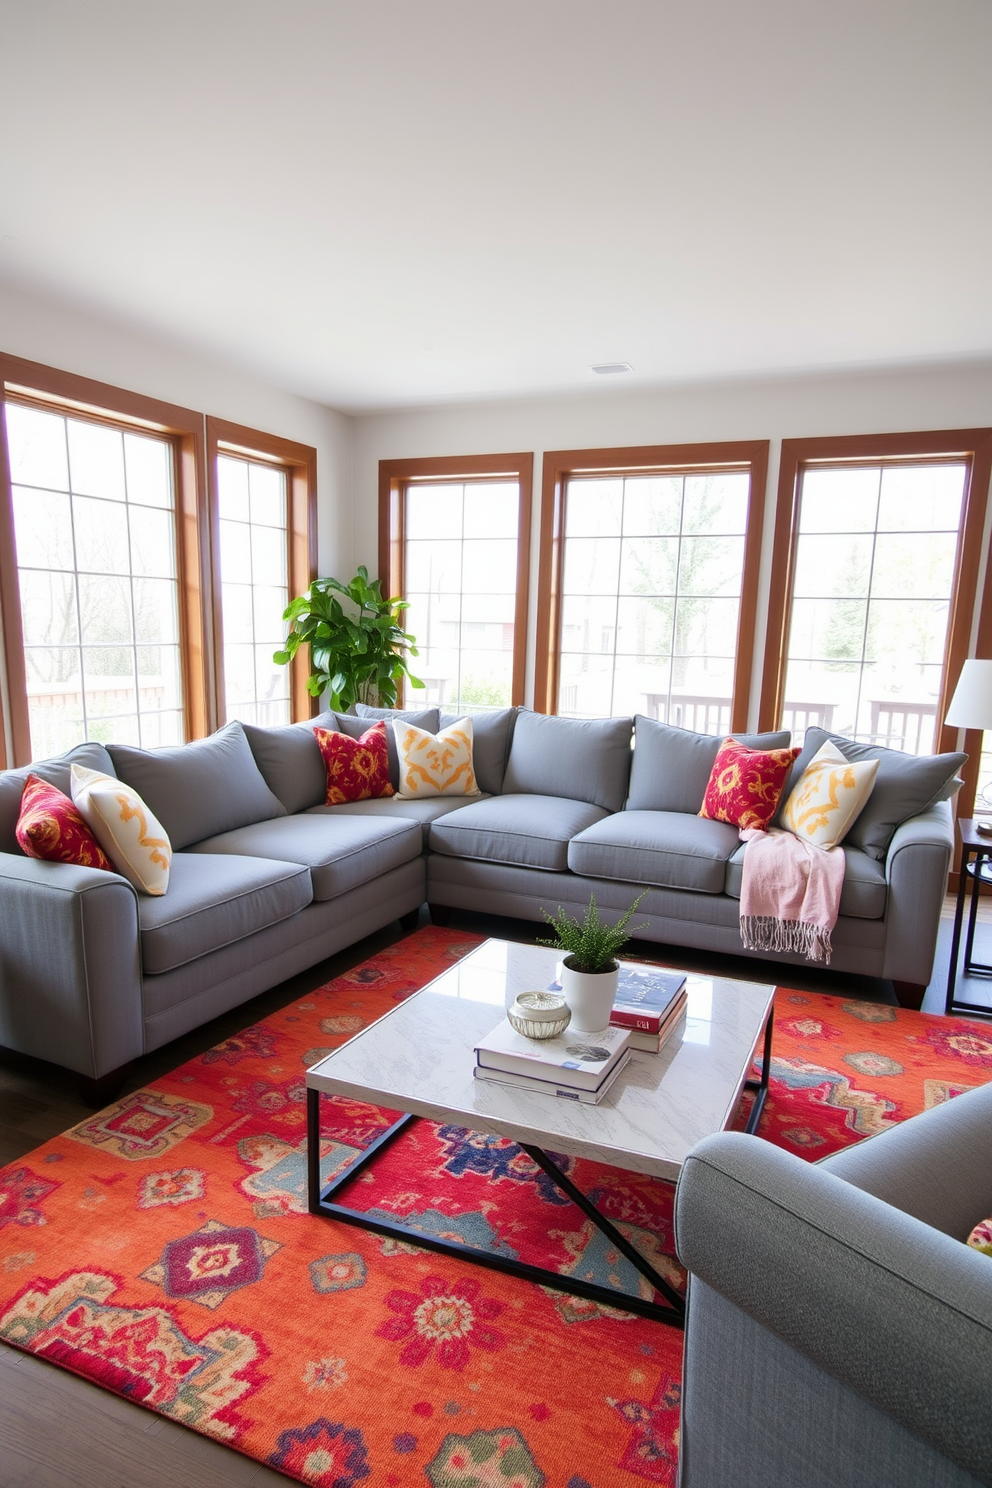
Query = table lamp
x=971 y=706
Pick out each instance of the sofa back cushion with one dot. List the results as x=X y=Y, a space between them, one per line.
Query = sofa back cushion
x=201 y=789
x=291 y=762
x=57 y=772
x=671 y=766
x=354 y=727
x=905 y=785
x=491 y=735
x=582 y=759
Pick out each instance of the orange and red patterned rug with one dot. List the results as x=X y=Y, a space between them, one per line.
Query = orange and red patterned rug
x=163 y=1249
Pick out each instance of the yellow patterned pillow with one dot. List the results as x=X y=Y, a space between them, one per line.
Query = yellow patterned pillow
x=435 y=764
x=829 y=796
x=133 y=839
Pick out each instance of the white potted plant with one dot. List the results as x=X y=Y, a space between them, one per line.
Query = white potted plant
x=590 y=972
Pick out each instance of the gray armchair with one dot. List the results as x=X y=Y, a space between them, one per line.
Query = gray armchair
x=839 y=1334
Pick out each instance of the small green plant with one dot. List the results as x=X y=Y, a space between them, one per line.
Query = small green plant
x=591 y=945
x=354 y=658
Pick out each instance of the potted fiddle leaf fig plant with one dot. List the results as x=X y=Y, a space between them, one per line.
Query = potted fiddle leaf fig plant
x=356 y=647
x=589 y=973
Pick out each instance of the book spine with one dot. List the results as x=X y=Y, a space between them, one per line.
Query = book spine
x=544 y=1087
x=648 y=1022
x=548 y=1087
x=538 y=1069
x=653 y=1043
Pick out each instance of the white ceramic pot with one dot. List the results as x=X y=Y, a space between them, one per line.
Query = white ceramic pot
x=590 y=996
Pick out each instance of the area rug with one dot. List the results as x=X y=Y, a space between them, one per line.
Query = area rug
x=163 y=1250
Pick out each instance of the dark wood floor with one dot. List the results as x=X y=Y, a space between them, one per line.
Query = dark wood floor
x=57 y=1431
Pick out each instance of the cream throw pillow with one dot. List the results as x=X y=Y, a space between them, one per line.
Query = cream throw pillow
x=134 y=841
x=829 y=796
x=435 y=764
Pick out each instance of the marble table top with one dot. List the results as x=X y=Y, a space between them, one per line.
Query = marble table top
x=419 y=1058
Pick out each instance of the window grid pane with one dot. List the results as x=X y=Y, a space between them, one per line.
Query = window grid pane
x=652 y=578
x=91 y=503
x=253 y=518
x=460 y=579
x=872 y=586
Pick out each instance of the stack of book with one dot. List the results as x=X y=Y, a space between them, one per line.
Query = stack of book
x=651 y=1003
x=573 y=1066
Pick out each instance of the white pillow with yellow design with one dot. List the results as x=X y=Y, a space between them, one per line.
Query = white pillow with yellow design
x=133 y=839
x=435 y=764
x=829 y=796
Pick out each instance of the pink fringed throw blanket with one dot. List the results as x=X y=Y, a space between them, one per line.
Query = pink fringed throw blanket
x=790 y=894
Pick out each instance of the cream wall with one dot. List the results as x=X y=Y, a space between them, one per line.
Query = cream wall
x=795 y=407
x=74 y=342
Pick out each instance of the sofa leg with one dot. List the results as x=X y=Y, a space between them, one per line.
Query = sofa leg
x=410 y=920
x=97 y=1093
x=909 y=994
x=440 y=914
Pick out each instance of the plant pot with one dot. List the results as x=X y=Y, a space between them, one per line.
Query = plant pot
x=590 y=996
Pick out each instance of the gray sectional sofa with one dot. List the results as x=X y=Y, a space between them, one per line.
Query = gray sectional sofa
x=266 y=880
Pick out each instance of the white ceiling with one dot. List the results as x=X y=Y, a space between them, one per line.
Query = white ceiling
x=387 y=202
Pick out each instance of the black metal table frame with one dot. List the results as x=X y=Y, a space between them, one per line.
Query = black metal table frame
x=322 y=1201
x=973 y=872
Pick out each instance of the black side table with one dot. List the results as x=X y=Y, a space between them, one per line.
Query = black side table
x=978 y=848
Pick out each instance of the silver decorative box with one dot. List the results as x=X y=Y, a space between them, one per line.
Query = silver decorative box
x=539 y=1015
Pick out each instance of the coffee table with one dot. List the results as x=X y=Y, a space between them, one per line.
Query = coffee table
x=418 y=1059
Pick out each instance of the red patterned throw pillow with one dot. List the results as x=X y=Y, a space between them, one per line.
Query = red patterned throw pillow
x=357 y=769
x=745 y=784
x=50 y=827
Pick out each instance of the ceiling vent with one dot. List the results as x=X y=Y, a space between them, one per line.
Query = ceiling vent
x=607 y=369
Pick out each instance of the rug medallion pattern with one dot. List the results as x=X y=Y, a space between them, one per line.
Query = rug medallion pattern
x=163 y=1250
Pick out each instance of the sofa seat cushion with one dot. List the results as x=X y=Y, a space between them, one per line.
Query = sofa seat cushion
x=864 y=893
x=527 y=831
x=394 y=808
x=340 y=853
x=213 y=901
x=668 y=849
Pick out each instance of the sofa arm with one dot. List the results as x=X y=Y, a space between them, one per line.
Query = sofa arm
x=70 y=973
x=894 y=1310
x=916 y=869
x=935 y=1167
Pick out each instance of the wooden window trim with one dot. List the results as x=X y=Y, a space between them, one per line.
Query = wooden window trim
x=971 y=446
x=81 y=397
x=396 y=475
x=300 y=464
x=674 y=459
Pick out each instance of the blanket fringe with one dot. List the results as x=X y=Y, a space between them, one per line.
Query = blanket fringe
x=765 y=933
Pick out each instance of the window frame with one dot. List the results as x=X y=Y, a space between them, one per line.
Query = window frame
x=36 y=385
x=661 y=459
x=973 y=448
x=299 y=461
x=395 y=476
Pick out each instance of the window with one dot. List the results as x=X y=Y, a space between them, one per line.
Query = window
x=111 y=593
x=95 y=537
x=877 y=546
x=454 y=537
x=649 y=566
x=100 y=564
x=261 y=499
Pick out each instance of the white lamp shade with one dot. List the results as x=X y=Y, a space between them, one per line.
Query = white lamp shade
x=971 y=705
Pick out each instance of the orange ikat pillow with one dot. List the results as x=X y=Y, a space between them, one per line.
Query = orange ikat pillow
x=357 y=769
x=49 y=826
x=745 y=784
